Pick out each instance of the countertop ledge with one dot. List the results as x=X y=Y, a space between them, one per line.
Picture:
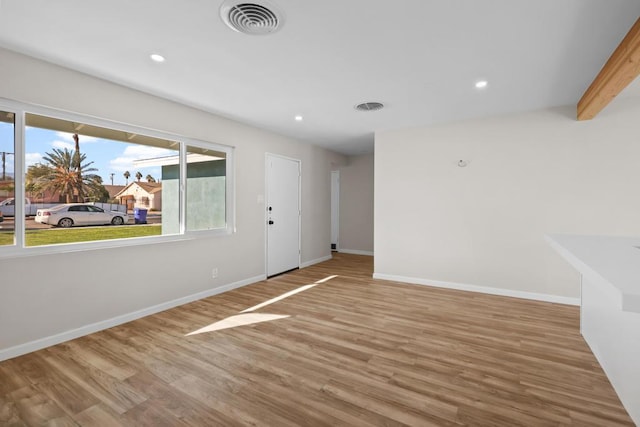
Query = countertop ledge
x=611 y=260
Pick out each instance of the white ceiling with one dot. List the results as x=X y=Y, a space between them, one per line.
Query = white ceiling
x=420 y=58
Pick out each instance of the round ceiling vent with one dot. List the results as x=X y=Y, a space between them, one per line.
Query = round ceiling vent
x=251 y=18
x=370 y=106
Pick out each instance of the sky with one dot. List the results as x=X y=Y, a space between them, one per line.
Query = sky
x=109 y=157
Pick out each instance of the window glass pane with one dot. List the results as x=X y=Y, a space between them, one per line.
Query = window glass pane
x=206 y=188
x=7 y=183
x=123 y=173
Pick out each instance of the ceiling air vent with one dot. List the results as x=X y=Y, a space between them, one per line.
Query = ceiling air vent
x=370 y=106
x=251 y=18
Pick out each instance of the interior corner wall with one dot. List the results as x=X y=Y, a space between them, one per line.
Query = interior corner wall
x=38 y=303
x=527 y=175
x=356 y=205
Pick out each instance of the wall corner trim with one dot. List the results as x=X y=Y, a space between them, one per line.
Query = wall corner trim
x=20 y=349
x=557 y=299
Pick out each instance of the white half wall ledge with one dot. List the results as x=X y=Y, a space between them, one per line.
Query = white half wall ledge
x=557 y=299
x=315 y=261
x=19 y=350
x=355 y=252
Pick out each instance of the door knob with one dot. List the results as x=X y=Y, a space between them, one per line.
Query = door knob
x=270 y=222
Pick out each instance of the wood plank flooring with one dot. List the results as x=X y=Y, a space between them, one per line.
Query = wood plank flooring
x=353 y=351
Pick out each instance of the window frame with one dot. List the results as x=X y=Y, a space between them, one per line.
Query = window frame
x=19 y=249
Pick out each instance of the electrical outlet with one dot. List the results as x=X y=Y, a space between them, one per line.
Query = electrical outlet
x=214 y=273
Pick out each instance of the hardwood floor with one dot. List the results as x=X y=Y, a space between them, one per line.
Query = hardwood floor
x=351 y=351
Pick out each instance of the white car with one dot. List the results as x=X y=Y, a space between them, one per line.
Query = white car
x=79 y=214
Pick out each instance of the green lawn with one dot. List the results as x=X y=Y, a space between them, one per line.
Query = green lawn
x=81 y=234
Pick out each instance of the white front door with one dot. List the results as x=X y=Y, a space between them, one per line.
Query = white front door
x=283 y=214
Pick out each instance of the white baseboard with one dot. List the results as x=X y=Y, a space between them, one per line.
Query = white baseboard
x=482 y=289
x=355 y=252
x=315 y=261
x=41 y=343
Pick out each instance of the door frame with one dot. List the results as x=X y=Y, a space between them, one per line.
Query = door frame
x=335 y=208
x=267 y=155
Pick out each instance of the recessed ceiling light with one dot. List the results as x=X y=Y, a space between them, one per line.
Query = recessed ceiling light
x=157 y=58
x=298 y=118
x=481 y=84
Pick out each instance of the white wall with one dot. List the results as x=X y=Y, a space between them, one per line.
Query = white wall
x=528 y=175
x=356 y=205
x=41 y=296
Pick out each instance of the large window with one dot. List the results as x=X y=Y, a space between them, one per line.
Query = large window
x=91 y=181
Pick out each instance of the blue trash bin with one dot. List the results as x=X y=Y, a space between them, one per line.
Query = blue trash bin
x=140 y=215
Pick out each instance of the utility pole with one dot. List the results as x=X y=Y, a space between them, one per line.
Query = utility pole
x=79 y=185
x=4 y=164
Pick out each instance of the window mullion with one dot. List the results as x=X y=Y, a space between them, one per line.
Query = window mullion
x=230 y=190
x=183 y=187
x=19 y=178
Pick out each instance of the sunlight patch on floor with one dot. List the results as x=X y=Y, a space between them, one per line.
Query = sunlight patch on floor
x=278 y=298
x=287 y=294
x=246 y=317
x=239 y=320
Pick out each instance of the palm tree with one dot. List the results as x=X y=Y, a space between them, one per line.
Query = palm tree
x=126 y=176
x=96 y=191
x=138 y=176
x=35 y=174
x=66 y=173
x=149 y=178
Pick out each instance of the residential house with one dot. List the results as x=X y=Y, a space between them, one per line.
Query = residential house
x=113 y=190
x=138 y=194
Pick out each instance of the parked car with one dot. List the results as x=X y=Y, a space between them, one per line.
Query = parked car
x=12 y=201
x=1 y=217
x=71 y=214
x=8 y=206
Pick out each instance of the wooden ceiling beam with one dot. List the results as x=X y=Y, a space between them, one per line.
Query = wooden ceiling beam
x=621 y=69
